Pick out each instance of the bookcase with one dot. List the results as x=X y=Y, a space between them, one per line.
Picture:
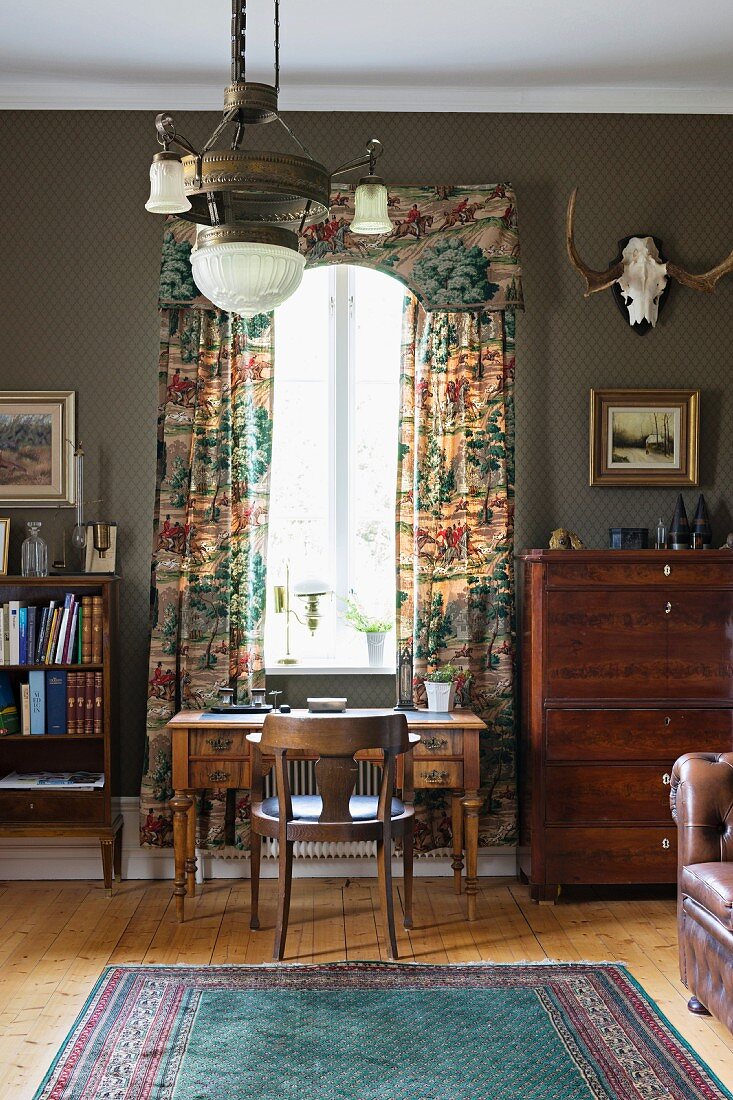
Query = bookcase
x=66 y=812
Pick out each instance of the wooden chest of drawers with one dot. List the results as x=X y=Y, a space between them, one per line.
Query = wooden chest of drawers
x=627 y=662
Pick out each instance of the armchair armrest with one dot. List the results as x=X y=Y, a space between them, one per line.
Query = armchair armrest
x=701 y=800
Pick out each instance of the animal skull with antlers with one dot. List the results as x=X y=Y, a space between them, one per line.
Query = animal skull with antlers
x=640 y=275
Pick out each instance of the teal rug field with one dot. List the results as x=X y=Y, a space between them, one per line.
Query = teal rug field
x=374 y=1031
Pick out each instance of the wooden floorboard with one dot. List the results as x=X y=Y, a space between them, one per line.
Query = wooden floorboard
x=56 y=938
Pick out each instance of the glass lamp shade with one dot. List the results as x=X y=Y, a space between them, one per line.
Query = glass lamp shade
x=166 y=186
x=370 y=208
x=246 y=277
x=312 y=587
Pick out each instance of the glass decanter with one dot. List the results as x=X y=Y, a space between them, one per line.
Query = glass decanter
x=34 y=552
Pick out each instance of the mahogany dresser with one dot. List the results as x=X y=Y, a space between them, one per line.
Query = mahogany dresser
x=627 y=662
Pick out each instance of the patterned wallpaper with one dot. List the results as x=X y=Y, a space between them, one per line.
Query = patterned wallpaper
x=78 y=288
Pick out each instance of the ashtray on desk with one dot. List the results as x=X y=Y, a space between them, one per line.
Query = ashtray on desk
x=326 y=706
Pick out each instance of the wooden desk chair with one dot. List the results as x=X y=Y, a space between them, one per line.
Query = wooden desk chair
x=335 y=814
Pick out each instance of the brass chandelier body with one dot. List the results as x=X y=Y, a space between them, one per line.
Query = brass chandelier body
x=253 y=196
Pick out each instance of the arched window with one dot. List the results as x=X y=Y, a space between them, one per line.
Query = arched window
x=334 y=457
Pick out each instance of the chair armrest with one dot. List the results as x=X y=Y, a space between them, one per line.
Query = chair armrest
x=701 y=800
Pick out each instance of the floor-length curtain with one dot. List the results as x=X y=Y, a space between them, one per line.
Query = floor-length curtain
x=210 y=534
x=455 y=517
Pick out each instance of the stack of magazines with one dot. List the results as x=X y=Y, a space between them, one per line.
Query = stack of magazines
x=78 y=781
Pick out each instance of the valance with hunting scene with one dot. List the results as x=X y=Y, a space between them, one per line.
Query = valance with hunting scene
x=456 y=248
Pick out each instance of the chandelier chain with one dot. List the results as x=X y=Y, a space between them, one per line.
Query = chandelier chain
x=277 y=45
x=239 y=41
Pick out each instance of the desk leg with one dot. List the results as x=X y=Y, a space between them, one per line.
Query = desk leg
x=180 y=804
x=472 y=805
x=107 y=843
x=457 y=825
x=191 y=846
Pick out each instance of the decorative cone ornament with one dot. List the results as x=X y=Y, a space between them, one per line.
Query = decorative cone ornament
x=679 y=528
x=702 y=534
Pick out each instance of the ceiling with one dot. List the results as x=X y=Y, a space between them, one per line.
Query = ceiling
x=389 y=55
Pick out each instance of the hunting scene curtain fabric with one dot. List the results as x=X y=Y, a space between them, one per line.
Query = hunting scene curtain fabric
x=457 y=250
x=455 y=538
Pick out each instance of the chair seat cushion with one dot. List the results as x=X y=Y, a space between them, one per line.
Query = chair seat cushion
x=711 y=885
x=307 y=807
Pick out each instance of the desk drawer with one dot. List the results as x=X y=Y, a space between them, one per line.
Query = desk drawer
x=439 y=773
x=219 y=743
x=440 y=742
x=219 y=773
x=33 y=807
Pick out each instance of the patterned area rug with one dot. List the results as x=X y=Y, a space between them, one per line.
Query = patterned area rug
x=374 y=1031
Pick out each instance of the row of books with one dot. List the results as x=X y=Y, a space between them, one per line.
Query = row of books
x=33 y=781
x=52 y=634
x=57 y=702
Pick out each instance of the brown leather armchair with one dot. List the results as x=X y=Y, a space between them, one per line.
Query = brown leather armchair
x=702 y=805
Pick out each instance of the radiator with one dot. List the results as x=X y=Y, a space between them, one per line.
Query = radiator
x=303 y=781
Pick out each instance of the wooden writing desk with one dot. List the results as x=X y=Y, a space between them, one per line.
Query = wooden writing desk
x=211 y=750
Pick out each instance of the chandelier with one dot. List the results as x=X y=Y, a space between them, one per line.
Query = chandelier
x=250 y=206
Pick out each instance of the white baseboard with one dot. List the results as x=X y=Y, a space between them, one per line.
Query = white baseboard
x=50 y=858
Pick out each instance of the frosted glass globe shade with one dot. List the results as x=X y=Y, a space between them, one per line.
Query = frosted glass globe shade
x=167 y=195
x=247 y=277
x=370 y=208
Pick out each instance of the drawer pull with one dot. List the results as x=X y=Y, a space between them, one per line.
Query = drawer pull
x=665 y=843
x=219 y=744
x=667 y=570
x=218 y=777
x=32 y=806
x=435 y=776
x=667 y=608
x=667 y=721
x=435 y=743
x=666 y=779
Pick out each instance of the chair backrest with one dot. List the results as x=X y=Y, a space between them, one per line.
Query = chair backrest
x=334 y=741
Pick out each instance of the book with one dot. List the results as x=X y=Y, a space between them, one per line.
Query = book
x=45 y=627
x=6 y=633
x=58 y=649
x=71 y=692
x=22 y=635
x=80 y=682
x=69 y=647
x=79 y=630
x=86 y=628
x=53 y=627
x=56 y=702
x=25 y=709
x=37 y=684
x=80 y=781
x=88 y=725
x=2 y=634
x=14 y=633
x=31 y=642
x=98 y=703
x=96 y=630
x=9 y=718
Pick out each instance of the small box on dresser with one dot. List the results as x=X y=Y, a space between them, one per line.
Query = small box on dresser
x=627 y=662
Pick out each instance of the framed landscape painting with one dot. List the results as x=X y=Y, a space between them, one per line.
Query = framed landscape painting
x=644 y=437
x=37 y=437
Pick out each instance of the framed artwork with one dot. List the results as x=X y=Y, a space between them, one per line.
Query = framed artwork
x=644 y=437
x=4 y=543
x=37 y=435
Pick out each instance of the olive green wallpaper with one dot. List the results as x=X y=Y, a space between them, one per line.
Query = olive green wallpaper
x=79 y=279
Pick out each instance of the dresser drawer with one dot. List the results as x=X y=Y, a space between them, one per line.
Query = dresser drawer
x=669 y=571
x=439 y=742
x=30 y=807
x=592 y=793
x=615 y=855
x=439 y=773
x=636 y=734
x=219 y=743
x=218 y=773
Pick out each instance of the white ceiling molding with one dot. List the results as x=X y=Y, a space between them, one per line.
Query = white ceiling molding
x=592 y=99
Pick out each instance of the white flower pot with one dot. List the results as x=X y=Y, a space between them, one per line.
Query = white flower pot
x=441 y=697
x=375 y=647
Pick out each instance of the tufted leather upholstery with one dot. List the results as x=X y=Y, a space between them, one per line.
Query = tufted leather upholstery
x=702 y=805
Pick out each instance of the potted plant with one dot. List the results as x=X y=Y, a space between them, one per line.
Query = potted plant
x=440 y=685
x=373 y=629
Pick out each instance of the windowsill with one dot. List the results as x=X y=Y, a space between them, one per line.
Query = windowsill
x=305 y=669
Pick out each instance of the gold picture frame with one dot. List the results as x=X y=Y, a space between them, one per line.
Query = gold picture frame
x=4 y=544
x=37 y=438
x=644 y=437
